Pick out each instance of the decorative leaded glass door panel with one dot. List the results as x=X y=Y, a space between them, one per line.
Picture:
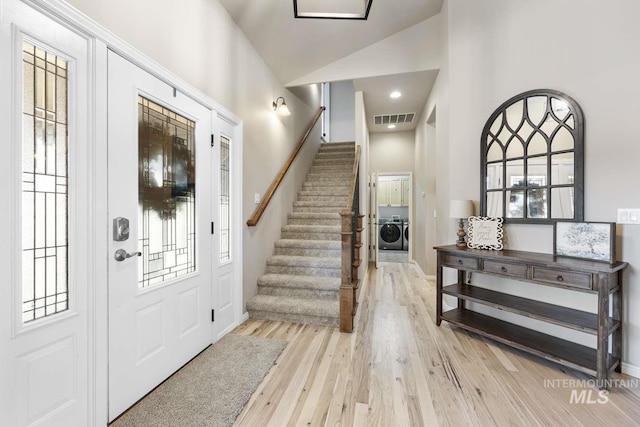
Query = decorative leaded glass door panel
x=160 y=202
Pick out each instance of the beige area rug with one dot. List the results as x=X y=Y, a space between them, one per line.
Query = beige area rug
x=212 y=389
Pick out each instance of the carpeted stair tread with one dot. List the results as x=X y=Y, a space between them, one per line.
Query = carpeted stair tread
x=310 y=209
x=312 y=228
x=320 y=186
x=334 y=179
x=300 y=281
x=314 y=218
x=292 y=305
x=336 y=158
x=308 y=244
x=329 y=170
x=337 y=201
x=342 y=172
x=340 y=197
x=339 y=188
x=340 y=191
x=338 y=144
x=311 y=215
x=309 y=234
x=304 y=261
x=307 y=247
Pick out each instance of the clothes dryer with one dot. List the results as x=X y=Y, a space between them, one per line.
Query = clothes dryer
x=405 y=235
x=389 y=234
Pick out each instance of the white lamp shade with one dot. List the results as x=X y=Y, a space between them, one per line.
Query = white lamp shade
x=461 y=208
x=283 y=110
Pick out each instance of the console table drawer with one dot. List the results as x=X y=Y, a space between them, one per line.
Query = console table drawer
x=563 y=278
x=461 y=262
x=514 y=270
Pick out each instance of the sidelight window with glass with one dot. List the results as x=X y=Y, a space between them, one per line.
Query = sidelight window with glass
x=45 y=284
x=225 y=237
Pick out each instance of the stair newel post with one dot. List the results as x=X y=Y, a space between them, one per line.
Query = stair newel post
x=357 y=263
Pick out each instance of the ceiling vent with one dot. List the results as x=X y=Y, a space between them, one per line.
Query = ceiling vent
x=393 y=119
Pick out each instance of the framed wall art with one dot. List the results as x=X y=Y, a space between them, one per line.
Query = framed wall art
x=485 y=233
x=587 y=240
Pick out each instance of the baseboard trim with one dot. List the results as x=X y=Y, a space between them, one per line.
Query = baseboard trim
x=417 y=266
x=423 y=275
x=631 y=370
x=244 y=318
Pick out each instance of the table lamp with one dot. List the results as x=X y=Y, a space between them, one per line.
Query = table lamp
x=461 y=209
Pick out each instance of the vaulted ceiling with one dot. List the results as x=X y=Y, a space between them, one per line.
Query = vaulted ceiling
x=296 y=48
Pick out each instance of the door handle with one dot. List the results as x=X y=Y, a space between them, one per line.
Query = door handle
x=121 y=255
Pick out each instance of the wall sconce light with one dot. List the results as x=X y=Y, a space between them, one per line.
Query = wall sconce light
x=281 y=108
x=461 y=209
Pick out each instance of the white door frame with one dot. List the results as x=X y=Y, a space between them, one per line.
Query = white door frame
x=410 y=207
x=98 y=293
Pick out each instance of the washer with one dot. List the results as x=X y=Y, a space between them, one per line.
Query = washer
x=405 y=234
x=389 y=234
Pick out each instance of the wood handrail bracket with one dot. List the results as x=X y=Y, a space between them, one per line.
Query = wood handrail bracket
x=276 y=182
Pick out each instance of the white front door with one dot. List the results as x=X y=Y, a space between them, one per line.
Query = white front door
x=160 y=207
x=46 y=251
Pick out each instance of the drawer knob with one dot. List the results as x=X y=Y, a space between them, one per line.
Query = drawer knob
x=460 y=261
x=503 y=269
x=559 y=278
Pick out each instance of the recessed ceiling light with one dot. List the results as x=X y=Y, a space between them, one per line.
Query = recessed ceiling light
x=391 y=127
x=395 y=94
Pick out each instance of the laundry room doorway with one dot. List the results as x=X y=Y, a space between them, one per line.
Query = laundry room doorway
x=394 y=200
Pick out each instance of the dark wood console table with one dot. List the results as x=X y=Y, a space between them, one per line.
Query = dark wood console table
x=593 y=277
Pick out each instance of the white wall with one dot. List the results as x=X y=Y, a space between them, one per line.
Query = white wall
x=432 y=225
x=499 y=48
x=392 y=151
x=416 y=48
x=199 y=42
x=425 y=195
x=343 y=111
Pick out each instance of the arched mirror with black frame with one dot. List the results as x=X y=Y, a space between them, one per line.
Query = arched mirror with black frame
x=532 y=159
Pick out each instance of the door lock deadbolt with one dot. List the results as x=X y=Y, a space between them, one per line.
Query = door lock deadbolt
x=120 y=229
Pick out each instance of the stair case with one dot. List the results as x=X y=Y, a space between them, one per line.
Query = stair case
x=303 y=277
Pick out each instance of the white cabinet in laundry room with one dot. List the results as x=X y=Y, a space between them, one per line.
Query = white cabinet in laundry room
x=405 y=191
x=395 y=191
x=383 y=192
x=391 y=191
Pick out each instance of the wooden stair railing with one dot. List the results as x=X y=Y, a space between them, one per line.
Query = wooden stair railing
x=351 y=244
x=251 y=222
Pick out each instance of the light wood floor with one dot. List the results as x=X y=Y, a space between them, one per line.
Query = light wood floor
x=399 y=369
x=393 y=256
